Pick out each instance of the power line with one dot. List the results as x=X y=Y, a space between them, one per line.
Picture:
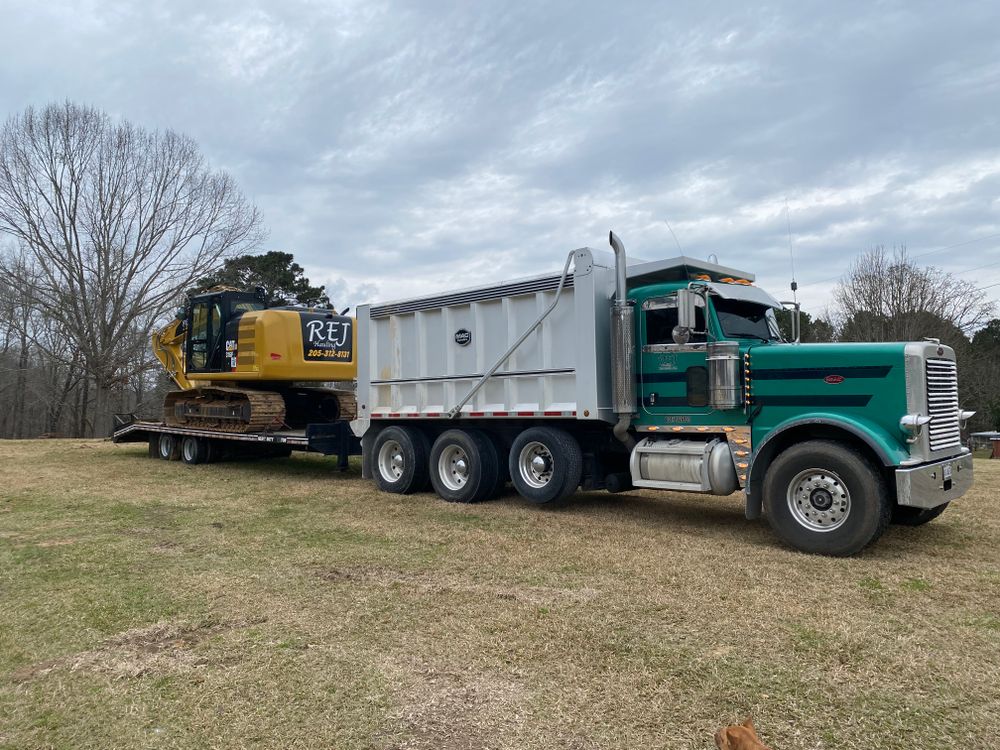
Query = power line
x=979 y=268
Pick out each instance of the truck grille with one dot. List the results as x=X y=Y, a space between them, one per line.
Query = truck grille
x=942 y=404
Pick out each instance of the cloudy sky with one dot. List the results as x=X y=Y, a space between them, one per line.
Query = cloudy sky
x=399 y=149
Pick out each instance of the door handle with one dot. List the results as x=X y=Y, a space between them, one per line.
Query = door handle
x=652 y=398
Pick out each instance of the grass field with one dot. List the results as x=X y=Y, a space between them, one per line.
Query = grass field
x=282 y=604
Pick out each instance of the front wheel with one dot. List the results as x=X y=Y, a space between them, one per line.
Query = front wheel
x=826 y=498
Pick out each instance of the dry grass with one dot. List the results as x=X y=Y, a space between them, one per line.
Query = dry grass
x=282 y=604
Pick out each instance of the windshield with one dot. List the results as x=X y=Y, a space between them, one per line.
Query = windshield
x=740 y=319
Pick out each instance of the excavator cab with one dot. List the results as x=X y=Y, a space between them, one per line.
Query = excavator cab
x=212 y=320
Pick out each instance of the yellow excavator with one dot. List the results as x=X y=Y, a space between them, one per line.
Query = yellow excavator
x=242 y=366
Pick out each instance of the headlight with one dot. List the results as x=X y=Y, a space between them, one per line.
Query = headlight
x=913 y=425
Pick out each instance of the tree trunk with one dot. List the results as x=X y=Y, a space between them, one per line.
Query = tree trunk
x=103 y=405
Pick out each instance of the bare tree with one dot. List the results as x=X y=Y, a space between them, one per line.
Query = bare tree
x=885 y=296
x=114 y=222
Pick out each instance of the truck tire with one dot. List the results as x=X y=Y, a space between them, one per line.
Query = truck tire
x=194 y=450
x=826 y=498
x=546 y=464
x=154 y=445
x=464 y=466
x=904 y=515
x=399 y=460
x=169 y=447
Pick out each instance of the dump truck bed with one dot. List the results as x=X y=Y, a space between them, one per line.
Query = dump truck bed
x=419 y=358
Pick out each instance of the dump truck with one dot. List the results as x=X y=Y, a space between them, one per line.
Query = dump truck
x=665 y=375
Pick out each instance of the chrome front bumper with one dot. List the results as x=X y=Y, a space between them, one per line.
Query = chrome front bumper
x=930 y=485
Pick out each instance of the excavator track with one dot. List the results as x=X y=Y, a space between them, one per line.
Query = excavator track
x=247 y=410
x=227 y=409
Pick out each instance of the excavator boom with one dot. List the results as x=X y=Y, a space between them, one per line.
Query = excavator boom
x=168 y=347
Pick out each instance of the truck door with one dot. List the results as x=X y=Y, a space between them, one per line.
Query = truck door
x=673 y=377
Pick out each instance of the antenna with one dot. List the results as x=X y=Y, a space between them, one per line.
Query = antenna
x=676 y=242
x=791 y=254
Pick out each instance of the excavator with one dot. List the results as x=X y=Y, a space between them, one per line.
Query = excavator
x=241 y=366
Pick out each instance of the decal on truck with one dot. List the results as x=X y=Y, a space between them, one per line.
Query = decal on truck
x=326 y=337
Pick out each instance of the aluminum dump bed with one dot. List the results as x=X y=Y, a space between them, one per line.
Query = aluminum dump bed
x=419 y=358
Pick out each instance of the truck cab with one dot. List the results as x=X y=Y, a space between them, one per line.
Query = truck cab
x=831 y=441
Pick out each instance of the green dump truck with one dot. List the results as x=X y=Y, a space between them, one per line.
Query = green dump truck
x=664 y=375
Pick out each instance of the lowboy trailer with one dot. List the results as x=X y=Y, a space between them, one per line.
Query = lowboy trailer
x=199 y=445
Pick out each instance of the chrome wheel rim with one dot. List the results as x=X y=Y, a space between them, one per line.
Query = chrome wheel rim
x=453 y=467
x=166 y=446
x=189 y=450
x=390 y=461
x=819 y=500
x=534 y=464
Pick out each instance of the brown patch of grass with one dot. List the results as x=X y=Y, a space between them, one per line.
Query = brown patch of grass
x=161 y=648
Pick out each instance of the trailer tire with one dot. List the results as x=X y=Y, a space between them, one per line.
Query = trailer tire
x=194 y=450
x=399 y=460
x=168 y=447
x=154 y=445
x=464 y=466
x=546 y=464
x=904 y=515
x=825 y=498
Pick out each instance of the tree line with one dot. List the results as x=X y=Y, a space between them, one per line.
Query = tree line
x=105 y=226
x=886 y=296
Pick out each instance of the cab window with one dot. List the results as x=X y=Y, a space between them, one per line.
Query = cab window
x=741 y=319
x=661 y=318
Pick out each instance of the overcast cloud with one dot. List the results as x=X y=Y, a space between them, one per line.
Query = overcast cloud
x=398 y=149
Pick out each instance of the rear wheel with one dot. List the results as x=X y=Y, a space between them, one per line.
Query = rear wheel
x=464 y=466
x=169 y=447
x=154 y=445
x=400 y=460
x=194 y=450
x=545 y=464
x=904 y=515
x=823 y=497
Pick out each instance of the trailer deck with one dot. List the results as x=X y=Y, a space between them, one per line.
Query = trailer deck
x=330 y=439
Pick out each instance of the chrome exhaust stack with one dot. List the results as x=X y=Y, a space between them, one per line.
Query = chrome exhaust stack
x=622 y=350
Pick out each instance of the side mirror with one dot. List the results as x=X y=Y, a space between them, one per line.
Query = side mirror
x=796 y=331
x=686 y=302
x=686 y=308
